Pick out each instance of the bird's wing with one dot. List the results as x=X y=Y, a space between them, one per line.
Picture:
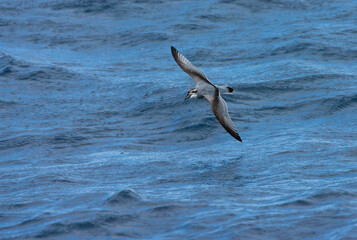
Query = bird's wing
x=220 y=110
x=188 y=67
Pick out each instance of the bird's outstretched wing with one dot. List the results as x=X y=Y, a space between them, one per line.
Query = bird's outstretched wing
x=220 y=110
x=188 y=67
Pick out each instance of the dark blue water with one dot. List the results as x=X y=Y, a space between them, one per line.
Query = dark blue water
x=97 y=142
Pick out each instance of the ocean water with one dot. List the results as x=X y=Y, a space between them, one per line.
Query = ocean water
x=97 y=142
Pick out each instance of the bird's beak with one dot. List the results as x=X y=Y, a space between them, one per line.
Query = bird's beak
x=187 y=96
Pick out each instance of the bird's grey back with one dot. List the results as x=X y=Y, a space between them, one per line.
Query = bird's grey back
x=205 y=89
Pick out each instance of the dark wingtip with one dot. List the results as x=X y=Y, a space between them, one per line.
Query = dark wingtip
x=239 y=139
x=174 y=52
x=230 y=89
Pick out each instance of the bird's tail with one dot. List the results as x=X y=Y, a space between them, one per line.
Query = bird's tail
x=224 y=89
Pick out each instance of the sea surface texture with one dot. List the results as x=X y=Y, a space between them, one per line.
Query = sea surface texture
x=97 y=142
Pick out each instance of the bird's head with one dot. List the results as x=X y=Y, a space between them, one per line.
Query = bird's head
x=191 y=93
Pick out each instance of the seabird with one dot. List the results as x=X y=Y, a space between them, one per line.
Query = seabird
x=204 y=88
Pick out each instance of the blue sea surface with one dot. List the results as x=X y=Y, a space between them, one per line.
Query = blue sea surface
x=97 y=142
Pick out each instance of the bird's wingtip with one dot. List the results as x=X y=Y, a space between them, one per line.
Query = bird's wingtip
x=238 y=138
x=173 y=51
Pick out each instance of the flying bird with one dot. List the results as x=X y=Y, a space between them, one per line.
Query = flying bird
x=206 y=89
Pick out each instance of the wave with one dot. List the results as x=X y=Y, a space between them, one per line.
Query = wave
x=333 y=105
x=262 y=5
x=6 y=104
x=123 y=39
x=129 y=222
x=191 y=27
x=312 y=48
x=87 y=6
x=92 y=227
x=17 y=142
x=318 y=198
x=6 y=62
x=123 y=197
x=119 y=9
x=314 y=108
x=14 y=69
x=306 y=82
